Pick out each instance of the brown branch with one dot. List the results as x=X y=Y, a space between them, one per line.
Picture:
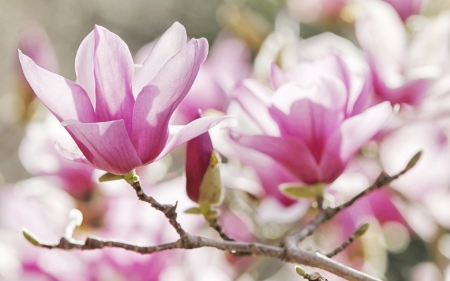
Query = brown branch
x=286 y=252
x=342 y=247
x=328 y=213
x=168 y=210
x=213 y=223
x=296 y=256
x=188 y=241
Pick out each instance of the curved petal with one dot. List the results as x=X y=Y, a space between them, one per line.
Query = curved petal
x=253 y=97
x=170 y=43
x=350 y=137
x=276 y=76
x=65 y=99
x=84 y=66
x=113 y=73
x=157 y=101
x=270 y=173
x=381 y=33
x=411 y=92
x=194 y=129
x=291 y=153
x=105 y=145
x=312 y=113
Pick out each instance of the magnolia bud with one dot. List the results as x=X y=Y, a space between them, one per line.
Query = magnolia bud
x=203 y=183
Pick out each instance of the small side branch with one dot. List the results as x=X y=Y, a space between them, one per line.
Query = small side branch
x=213 y=223
x=288 y=251
x=327 y=214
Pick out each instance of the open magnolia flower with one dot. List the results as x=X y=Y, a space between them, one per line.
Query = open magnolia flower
x=314 y=122
x=118 y=116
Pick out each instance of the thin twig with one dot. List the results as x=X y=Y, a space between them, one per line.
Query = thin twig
x=296 y=256
x=342 y=247
x=187 y=241
x=216 y=226
x=328 y=213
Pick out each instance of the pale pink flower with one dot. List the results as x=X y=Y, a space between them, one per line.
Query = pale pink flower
x=406 y=8
x=34 y=42
x=118 y=116
x=312 y=126
x=39 y=157
x=402 y=69
x=228 y=62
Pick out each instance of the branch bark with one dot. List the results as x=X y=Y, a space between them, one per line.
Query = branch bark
x=287 y=251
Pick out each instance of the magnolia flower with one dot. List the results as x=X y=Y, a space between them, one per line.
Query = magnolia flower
x=406 y=8
x=312 y=126
x=402 y=69
x=118 y=116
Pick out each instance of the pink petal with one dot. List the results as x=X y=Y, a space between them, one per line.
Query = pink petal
x=105 y=145
x=170 y=43
x=361 y=101
x=411 y=92
x=157 y=101
x=406 y=8
x=84 y=66
x=113 y=73
x=270 y=173
x=306 y=72
x=254 y=98
x=382 y=35
x=311 y=114
x=65 y=99
x=293 y=154
x=276 y=76
x=351 y=136
x=194 y=129
x=69 y=155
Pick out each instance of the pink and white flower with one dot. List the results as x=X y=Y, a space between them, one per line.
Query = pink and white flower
x=314 y=125
x=118 y=116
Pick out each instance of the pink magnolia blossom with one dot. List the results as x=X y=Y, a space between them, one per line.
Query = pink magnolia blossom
x=406 y=8
x=42 y=207
x=312 y=126
x=118 y=116
x=402 y=70
x=426 y=185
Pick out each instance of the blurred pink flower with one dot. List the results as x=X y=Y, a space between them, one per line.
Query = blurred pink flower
x=228 y=62
x=34 y=42
x=42 y=207
x=117 y=116
x=317 y=11
x=312 y=126
x=40 y=158
x=426 y=185
x=402 y=71
x=406 y=8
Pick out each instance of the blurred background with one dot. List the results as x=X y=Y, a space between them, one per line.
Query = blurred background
x=401 y=247
x=66 y=24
